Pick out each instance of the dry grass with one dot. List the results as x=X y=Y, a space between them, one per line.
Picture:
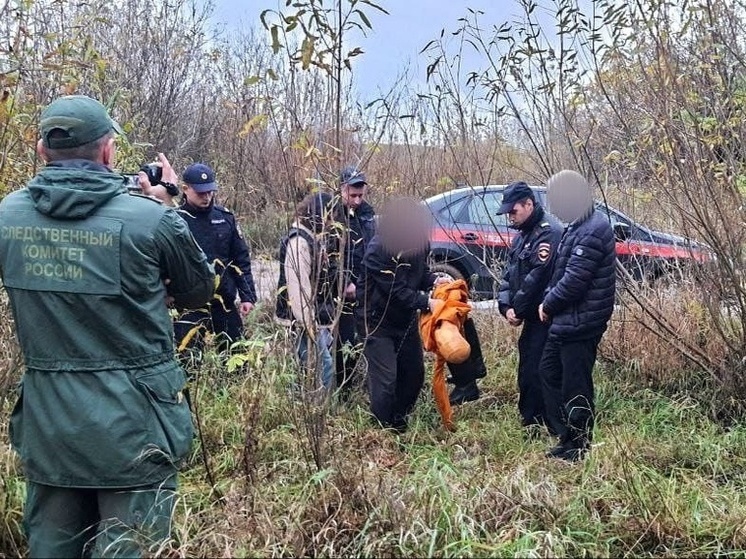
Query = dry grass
x=663 y=478
x=631 y=341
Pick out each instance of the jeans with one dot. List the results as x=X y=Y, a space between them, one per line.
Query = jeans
x=324 y=363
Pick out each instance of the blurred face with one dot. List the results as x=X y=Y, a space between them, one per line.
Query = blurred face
x=353 y=196
x=198 y=199
x=521 y=212
x=404 y=225
x=569 y=196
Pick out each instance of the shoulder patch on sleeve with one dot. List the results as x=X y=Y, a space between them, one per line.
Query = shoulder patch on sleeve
x=543 y=252
x=579 y=251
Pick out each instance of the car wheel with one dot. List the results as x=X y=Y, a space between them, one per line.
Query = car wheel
x=446 y=270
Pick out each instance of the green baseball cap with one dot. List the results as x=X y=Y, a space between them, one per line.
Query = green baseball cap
x=81 y=118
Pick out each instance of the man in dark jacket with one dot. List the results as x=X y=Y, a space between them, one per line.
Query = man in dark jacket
x=523 y=283
x=101 y=423
x=357 y=220
x=217 y=232
x=393 y=288
x=578 y=305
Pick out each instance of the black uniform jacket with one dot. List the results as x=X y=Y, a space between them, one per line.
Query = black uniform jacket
x=217 y=233
x=529 y=265
x=360 y=227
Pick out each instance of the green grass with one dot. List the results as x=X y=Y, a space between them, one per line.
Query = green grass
x=662 y=479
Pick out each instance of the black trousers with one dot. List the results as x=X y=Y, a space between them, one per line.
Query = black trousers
x=225 y=322
x=474 y=367
x=530 y=391
x=346 y=350
x=396 y=373
x=566 y=372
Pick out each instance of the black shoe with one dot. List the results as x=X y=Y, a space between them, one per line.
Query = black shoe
x=461 y=394
x=568 y=452
x=558 y=451
x=574 y=455
x=397 y=425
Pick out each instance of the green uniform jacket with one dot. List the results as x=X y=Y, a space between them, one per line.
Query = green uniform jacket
x=84 y=265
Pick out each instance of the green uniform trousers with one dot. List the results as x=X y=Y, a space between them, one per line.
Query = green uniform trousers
x=72 y=522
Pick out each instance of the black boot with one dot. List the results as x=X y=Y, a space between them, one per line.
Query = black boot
x=558 y=451
x=571 y=449
x=466 y=393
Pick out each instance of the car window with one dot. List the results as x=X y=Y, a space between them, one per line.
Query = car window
x=541 y=195
x=611 y=212
x=634 y=231
x=454 y=212
x=483 y=210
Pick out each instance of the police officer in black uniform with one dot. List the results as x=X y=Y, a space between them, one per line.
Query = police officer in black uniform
x=524 y=281
x=217 y=232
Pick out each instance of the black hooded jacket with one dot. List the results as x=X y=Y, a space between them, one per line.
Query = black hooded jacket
x=581 y=293
x=392 y=287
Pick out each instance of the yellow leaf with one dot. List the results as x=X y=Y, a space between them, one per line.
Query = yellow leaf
x=218 y=298
x=256 y=121
x=188 y=338
x=307 y=48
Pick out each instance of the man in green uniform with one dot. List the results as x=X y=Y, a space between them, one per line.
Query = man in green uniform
x=101 y=422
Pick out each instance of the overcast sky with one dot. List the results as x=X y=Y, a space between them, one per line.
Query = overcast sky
x=396 y=39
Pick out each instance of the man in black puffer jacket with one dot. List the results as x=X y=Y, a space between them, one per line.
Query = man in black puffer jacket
x=578 y=303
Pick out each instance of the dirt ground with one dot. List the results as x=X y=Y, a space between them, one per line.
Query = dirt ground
x=265 y=271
